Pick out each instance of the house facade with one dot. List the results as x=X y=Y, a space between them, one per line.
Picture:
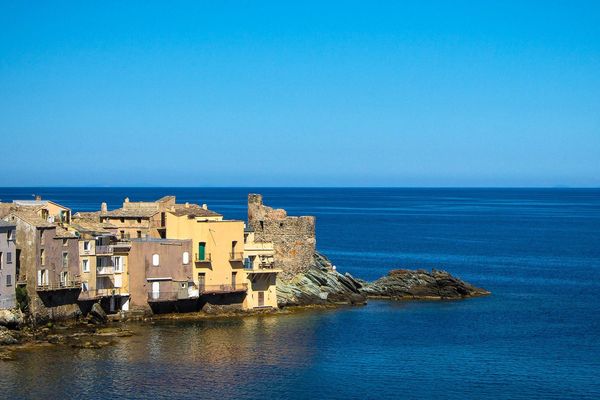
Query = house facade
x=160 y=274
x=47 y=264
x=7 y=265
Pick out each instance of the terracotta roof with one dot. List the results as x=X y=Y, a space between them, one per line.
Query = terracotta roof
x=193 y=210
x=64 y=234
x=32 y=219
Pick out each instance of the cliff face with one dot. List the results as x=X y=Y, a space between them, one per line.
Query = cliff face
x=321 y=284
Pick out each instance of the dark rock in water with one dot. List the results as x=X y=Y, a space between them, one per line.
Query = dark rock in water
x=319 y=284
x=420 y=284
x=97 y=315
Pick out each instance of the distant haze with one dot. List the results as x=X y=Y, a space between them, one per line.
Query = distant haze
x=300 y=94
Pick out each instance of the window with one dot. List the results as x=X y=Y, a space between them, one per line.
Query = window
x=42 y=257
x=8 y=280
x=139 y=220
x=65 y=260
x=262 y=226
x=122 y=220
x=155 y=260
x=139 y=234
x=118 y=263
x=85 y=265
x=65 y=242
x=86 y=245
x=9 y=258
x=11 y=234
x=84 y=286
x=122 y=234
x=64 y=278
x=43 y=277
x=1 y=259
x=42 y=237
x=186 y=257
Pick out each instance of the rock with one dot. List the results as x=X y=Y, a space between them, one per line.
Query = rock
x=97 y=315
x=420 y=284
x=11 y=318
x=7 y=337
x=319 y=284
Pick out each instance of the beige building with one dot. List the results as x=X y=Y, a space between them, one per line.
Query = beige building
x=260 y=271
x=103 y=265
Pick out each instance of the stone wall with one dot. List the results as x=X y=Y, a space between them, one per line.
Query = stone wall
x=293 y=237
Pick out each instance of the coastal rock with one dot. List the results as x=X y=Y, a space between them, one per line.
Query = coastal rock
x=319 y=284
x=420 y=284
x=7 y=337
x=97 y=315
x=11 y=318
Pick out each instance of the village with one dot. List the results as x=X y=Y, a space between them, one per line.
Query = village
x=145 y=257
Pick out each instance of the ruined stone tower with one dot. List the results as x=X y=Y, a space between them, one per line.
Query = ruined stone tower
x=293 y=237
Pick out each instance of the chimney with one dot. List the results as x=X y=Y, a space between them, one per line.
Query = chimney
x=187 y=205
x=103 y=208
x=204 y=206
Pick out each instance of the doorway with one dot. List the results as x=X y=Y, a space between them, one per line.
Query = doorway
x=261 y=299
x=155 y=290
x=201 y=282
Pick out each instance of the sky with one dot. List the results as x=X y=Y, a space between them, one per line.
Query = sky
x=254 y=93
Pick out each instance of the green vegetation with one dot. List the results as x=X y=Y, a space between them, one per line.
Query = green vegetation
x=22 y=298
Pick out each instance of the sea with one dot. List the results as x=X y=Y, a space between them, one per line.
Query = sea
x=536 y=337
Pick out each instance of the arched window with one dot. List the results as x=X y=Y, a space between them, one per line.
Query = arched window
x=155 y=260
x=186 y=257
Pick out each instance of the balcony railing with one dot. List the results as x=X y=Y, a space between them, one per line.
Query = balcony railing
x=236 y=256
x=227 y=288
x=205 y=259
x=104 y=250
x=98 y=293
x=169 y=296
x=59 y=286
x=105 y=270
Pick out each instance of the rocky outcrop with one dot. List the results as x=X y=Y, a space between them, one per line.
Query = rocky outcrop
x=11 y=318
x=7 y=336
x=408 y=284
x=320 y=284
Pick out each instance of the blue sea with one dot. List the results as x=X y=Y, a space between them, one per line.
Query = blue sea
x=536 y=337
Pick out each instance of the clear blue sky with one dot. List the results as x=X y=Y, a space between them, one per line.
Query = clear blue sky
x=253 y=93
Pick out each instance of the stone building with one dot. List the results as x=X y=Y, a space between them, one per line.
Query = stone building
x=7 y=265
x=259 y=263
x=47 y=263
x=293 y=238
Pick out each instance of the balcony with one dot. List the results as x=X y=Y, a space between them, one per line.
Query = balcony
x=105 y=270
x=227 y=288
x=99 y=293
x=158 y=297
x=205 y=259
x=104 y=250
x=68 y=285
x=237 y=257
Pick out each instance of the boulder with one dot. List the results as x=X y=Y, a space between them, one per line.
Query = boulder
x=7 y=337
x=97 y=315
x=11 y=318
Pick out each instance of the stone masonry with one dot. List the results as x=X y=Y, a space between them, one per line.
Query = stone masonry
x=293 y=237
